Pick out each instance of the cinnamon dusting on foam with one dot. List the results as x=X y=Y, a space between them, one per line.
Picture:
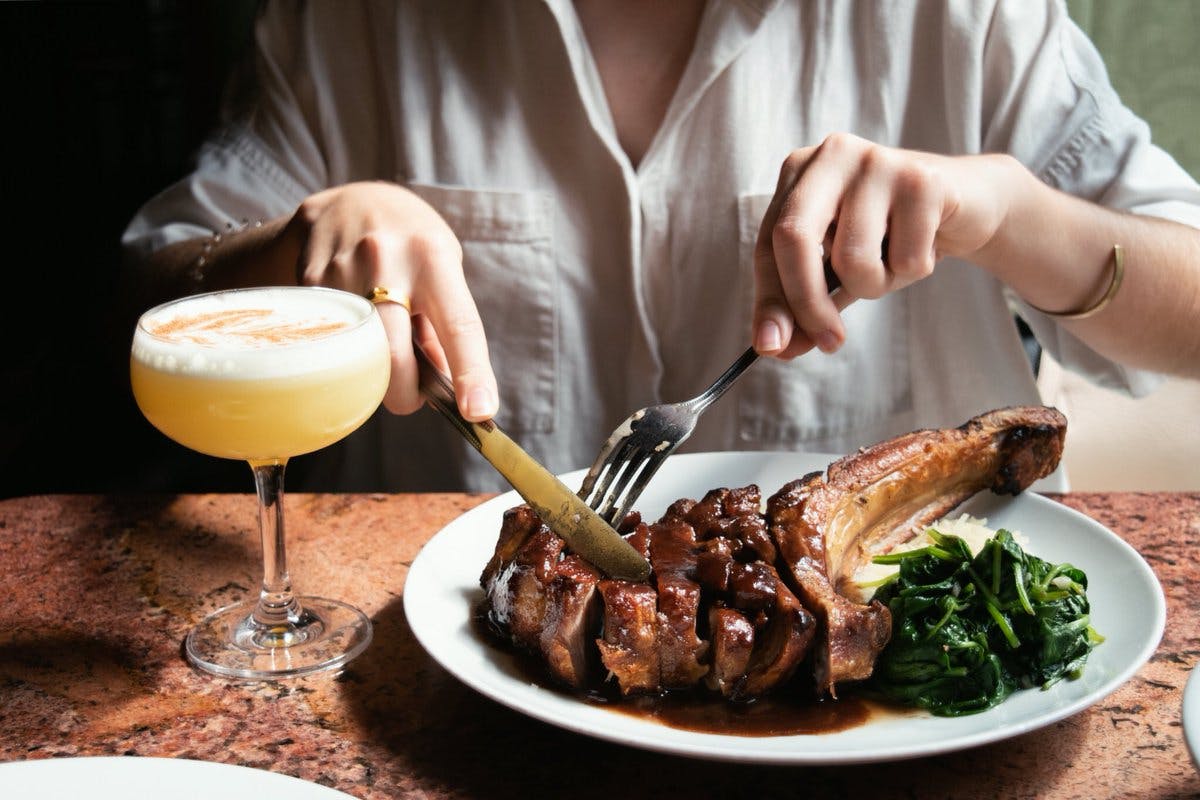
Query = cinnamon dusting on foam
x=248 y=327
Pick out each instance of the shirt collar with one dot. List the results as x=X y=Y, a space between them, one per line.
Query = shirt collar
x=725 y=31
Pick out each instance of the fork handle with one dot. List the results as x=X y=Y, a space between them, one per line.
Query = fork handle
x=746 y=359
x=722 y=384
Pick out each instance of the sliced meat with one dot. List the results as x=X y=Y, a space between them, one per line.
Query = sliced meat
x=679 y=508
x=639 y=539
x=756 y=542
x=516 y=526
x=745 y=501
x=827 y=527
x=851 y=635
x=546 y=602
x=680 y=650
x=673 y=551
x=782 y=643
x=714 y=563
x=572 y=619
x=738 y=599
x=629 y=644
x=518 y=592
x=708 y=516
x=753 y=587
x=732 y=639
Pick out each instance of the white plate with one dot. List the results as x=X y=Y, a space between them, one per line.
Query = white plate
x=125 y=777
x=1191 y=715
x=1127 y=608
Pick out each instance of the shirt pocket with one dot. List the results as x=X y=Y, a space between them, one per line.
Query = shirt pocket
x=818 y=402
x=508 y=260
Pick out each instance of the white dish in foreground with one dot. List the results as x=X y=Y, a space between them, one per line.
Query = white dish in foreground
x=1128 y=608
x=1191 y=715
x=125 y=777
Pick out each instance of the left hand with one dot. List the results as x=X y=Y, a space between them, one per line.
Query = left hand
x=927 y=206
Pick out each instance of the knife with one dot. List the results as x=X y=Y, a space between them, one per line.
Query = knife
x=560 y=508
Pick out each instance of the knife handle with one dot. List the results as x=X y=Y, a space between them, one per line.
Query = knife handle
x=439 y=392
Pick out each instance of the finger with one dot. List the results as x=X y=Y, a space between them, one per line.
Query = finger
x=442 y=294
x=916 y=216
x=402 y=396
x=316 y=253
x=805 y=215
x=773 y=328
x=370 y=262
x=856 y=251
x=405 y=392
x=426 y=338
x=800 y=343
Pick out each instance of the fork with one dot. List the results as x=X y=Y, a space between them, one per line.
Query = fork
x=640 y=444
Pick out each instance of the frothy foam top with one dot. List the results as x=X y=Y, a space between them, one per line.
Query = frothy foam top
x=251 y=327
x=257 y=333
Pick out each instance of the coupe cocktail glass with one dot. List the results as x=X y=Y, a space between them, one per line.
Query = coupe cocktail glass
x=264 y=375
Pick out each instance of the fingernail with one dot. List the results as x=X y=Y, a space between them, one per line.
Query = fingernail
x=481 y=403
x=769 y=338
x=826 y=341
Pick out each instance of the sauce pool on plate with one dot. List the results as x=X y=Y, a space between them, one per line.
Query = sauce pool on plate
x=792 y=712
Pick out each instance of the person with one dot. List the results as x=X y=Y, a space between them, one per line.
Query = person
x=595 y=206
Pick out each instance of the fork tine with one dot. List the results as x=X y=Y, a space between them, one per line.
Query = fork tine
x=618 y=465
x=633 y=463
x=603 y=459
x=648 y=469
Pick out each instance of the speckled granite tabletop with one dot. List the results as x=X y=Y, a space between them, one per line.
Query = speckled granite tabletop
x=99 y=591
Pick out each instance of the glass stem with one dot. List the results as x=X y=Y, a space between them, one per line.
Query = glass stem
x=277 y=606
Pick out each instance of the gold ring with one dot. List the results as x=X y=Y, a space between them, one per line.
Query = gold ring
x=381 y=294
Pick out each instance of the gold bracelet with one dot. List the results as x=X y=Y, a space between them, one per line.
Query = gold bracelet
x=1118 y=275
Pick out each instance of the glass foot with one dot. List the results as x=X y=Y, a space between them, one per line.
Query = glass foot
x=325 y=635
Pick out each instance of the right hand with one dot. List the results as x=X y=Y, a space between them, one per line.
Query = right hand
x=361 y=235
x=894 y=214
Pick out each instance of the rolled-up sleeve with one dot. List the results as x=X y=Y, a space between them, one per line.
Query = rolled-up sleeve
x=1054 y=108
x=259 y=165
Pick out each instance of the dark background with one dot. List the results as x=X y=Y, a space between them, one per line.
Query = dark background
x=103 y=105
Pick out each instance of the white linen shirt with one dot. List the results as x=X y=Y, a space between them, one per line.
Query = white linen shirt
x=604 y=287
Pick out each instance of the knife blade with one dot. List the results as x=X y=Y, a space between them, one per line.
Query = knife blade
x=561 y=509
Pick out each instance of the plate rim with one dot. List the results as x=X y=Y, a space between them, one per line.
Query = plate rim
x=85 y=767
x=718 y=746
x=1189 y=714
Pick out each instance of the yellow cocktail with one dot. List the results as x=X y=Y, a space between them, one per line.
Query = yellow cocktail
x=264 y=375
x=259 y=384
x=260 y=420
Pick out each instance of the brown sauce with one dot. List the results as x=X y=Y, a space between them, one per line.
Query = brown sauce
x=774 y=715
x=788 y=712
